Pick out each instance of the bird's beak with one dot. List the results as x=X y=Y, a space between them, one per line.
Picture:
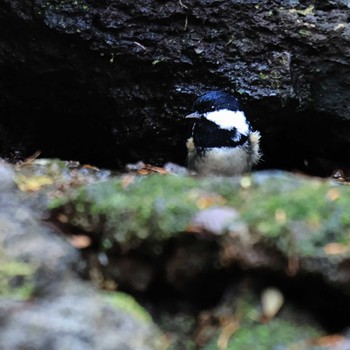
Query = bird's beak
x=194 y=115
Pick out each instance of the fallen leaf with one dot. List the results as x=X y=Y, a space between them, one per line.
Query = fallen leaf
x=91 y=167
x=208 y=200
x=280 y=216
x=79 y=241
x=143 y=172
x=336 y=248
x=329 y=340
x=333 y=194
x=63 y=218
x=33 y=183
x=148 y=169
x=127 y=180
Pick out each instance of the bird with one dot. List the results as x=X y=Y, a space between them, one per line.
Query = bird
x=223 y=141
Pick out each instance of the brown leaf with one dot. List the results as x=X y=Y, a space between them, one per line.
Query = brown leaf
x=333 y=194
x=149 y=169
x=91 y=167
x=127 y=180
x=329 y=340
x=336 y=248
x=79 y=241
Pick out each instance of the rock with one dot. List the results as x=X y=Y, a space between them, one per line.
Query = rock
x=174 y=240
x=288 y=223
x=217 y=220
x=23 y=238
x=75 y=317
x=116 y=79
x=7 y=182
x=44 y=303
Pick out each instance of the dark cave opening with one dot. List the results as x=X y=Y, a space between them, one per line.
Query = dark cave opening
x=64 y=116
x=89 y=130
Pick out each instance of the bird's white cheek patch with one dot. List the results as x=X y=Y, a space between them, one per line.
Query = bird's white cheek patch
x=227 y=119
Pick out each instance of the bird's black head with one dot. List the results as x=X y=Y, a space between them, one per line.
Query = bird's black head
x=215 y=101
x=220 y=122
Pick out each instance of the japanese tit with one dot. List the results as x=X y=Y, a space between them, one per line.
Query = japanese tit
x=223 y=141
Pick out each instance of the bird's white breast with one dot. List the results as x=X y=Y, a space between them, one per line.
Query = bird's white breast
x=225 y=161
x=221 y=161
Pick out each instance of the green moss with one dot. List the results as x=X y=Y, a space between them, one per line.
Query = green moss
x=127 y=303
x=298 y=215
x=271 y=335
x=316 y=209
x=153 y=205
x=16 y=278
x=304 y=32
x=281 y=332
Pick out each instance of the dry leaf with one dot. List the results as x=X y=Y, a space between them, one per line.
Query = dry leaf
x=33 y=183
x=127 y=180
x=333 y=194
x=208 y=200
x=143 y=172
x=280 y=216
x=79 y=241
x=156 y=169
x=329 y=340
x=63 y=218
x=90 y=167
x=336 y=248
x=149 y=169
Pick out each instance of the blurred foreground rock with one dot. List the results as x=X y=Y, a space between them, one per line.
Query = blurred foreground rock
x=198 y=253
x=194 y=236
x=43 y=304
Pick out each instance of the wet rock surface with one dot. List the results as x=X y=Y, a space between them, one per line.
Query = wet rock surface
x=109 y=82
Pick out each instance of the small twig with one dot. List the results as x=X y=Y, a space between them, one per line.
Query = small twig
x=30 y=159
x=186 y=23
x=140 y=45
x=182 y=4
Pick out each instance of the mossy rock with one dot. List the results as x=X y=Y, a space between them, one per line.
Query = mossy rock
x=290 y=329
x=298 y=217
x=16 y=278
x=276 y=334
x=130 y=209
x=158 y=207
x=127 y=303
